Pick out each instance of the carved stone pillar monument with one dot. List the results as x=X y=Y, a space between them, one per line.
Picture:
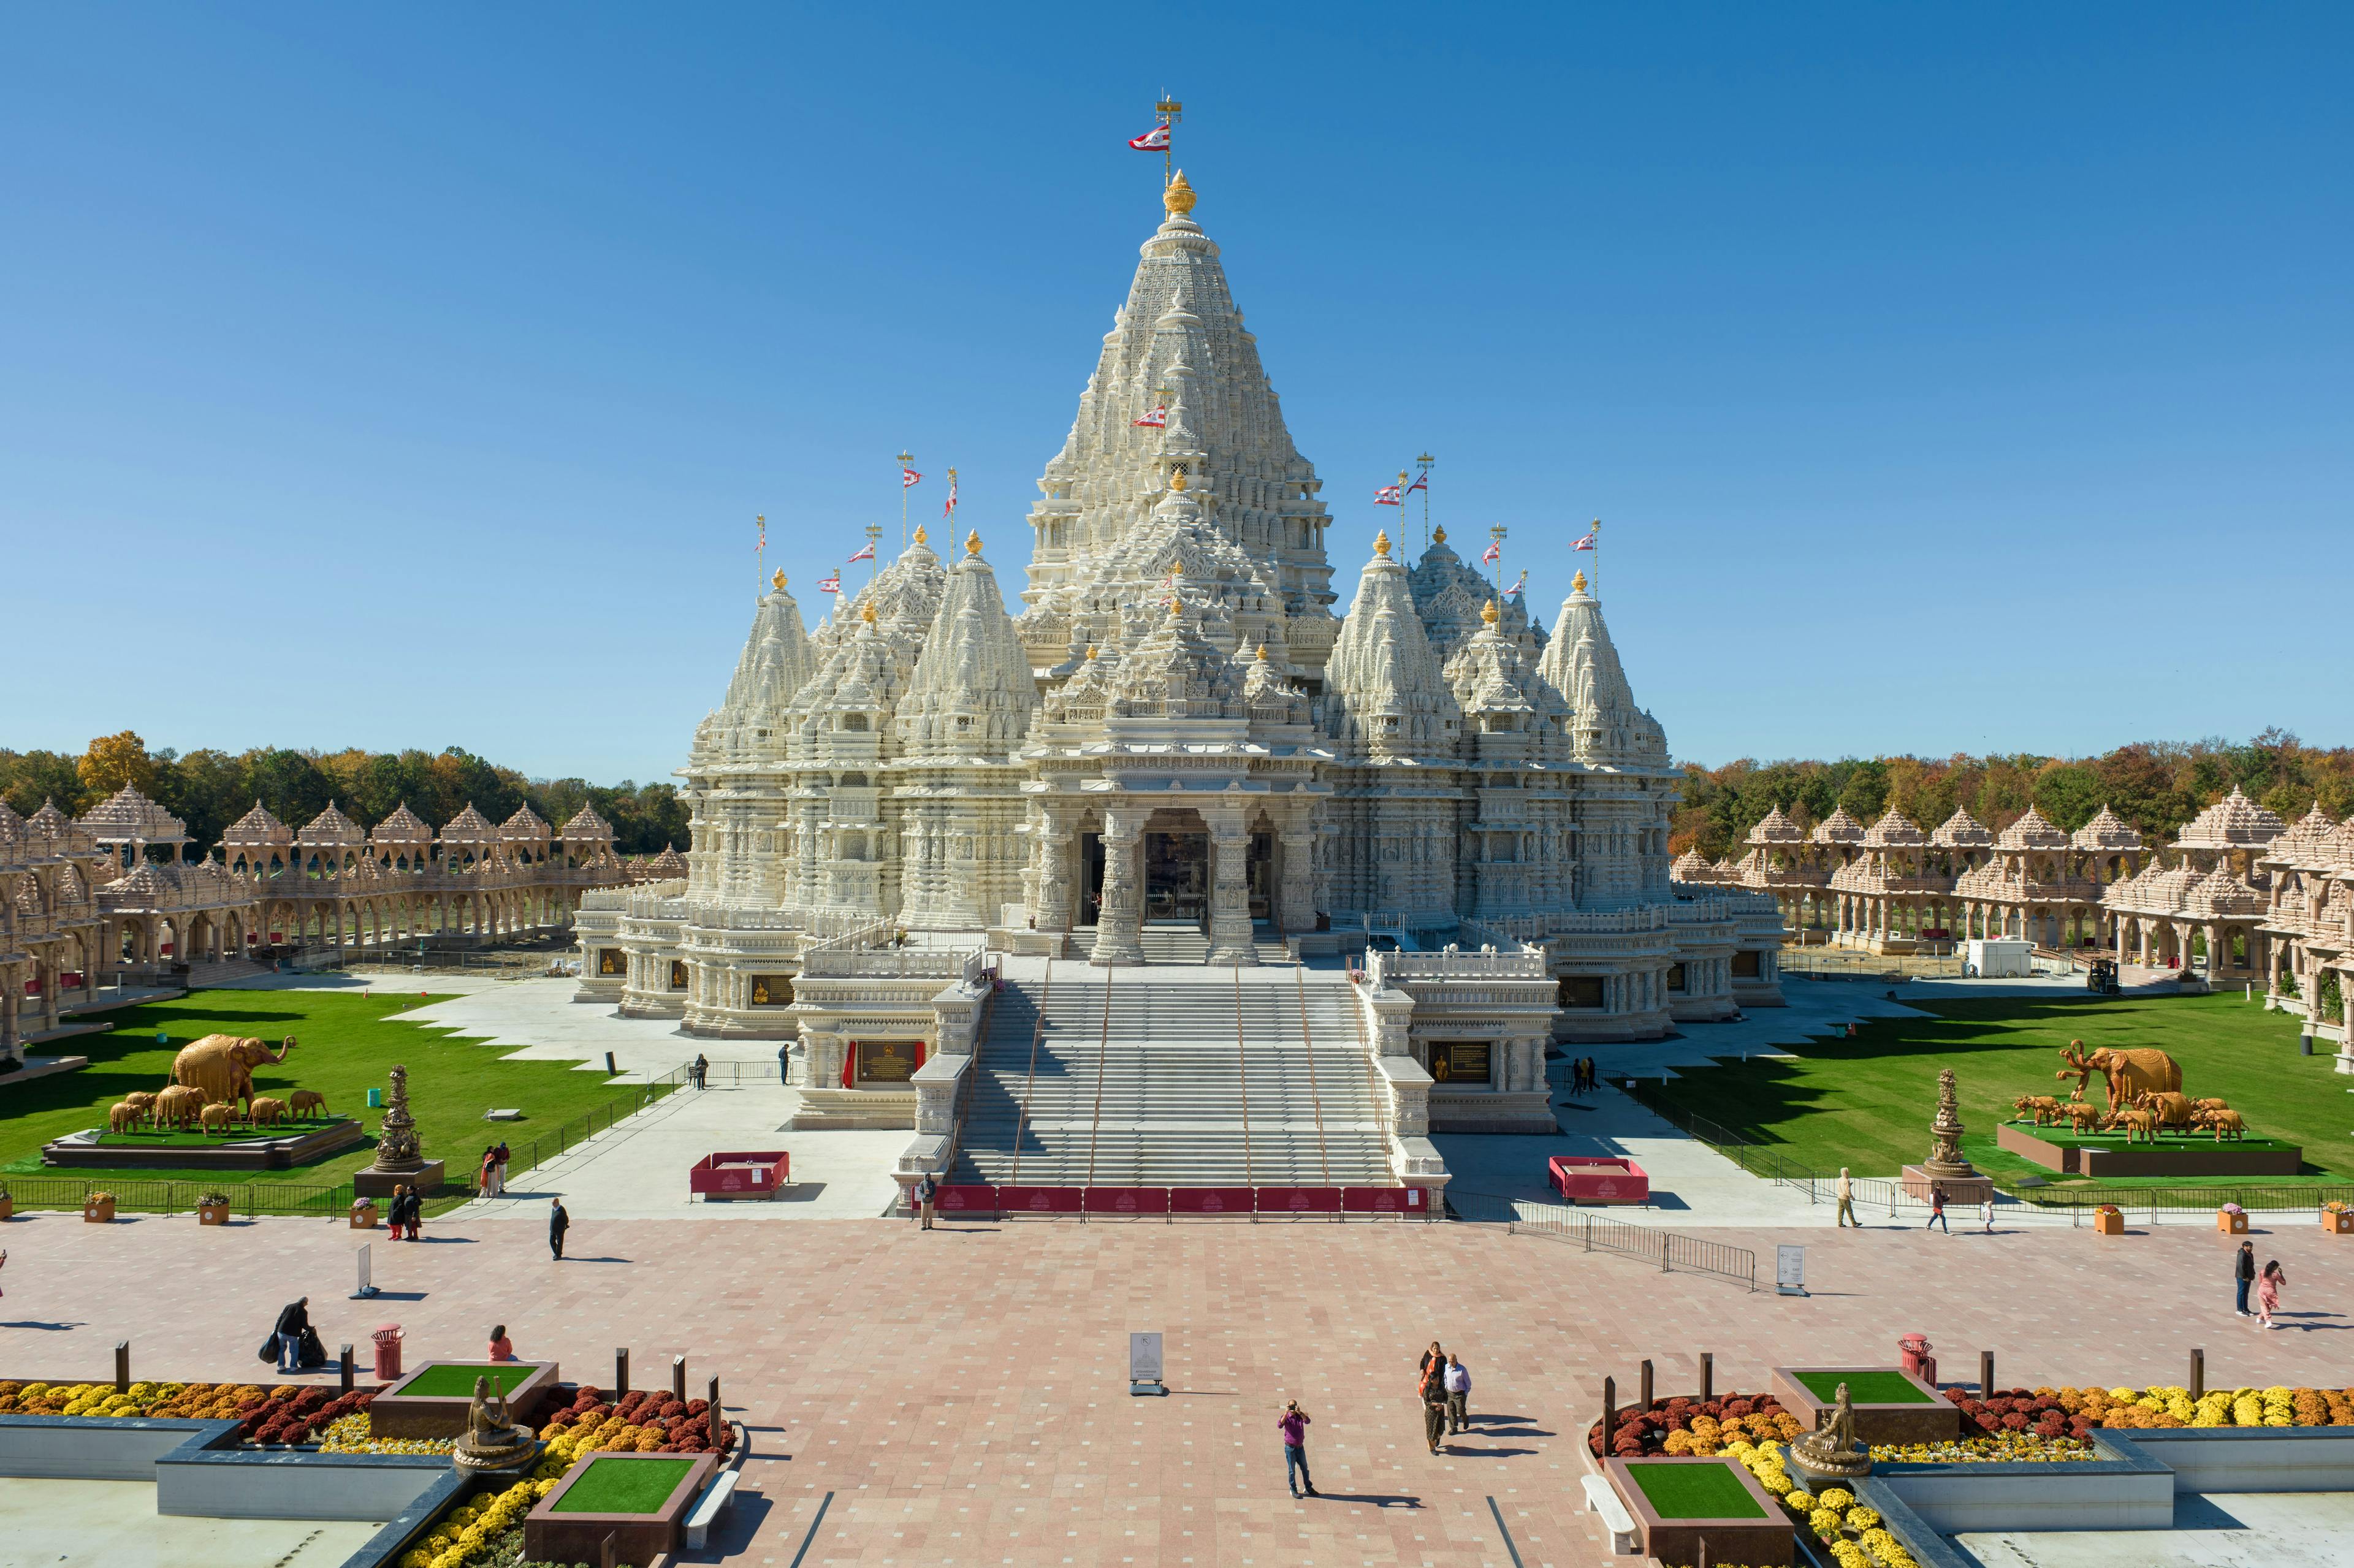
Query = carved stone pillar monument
x=1945 y=1168
x=1120 y=927
x=1230 y=921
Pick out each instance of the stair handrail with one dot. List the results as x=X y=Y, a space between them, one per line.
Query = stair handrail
x=964 y=1092
x=1030 y=1083
x=1103 y=1050
x=1374 y=1085
x=1315 y=1099
x=1242 y=1075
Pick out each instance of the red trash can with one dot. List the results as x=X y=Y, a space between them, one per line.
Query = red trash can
x=387 y=1353
x=1914 y=1350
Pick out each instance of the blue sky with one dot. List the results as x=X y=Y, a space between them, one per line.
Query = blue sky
x=1948 y=377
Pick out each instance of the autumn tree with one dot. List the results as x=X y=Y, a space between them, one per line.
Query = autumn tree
x=112 y=761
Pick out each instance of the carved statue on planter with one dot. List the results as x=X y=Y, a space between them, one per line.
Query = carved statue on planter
x=492 y=1440
x=1831 y=1452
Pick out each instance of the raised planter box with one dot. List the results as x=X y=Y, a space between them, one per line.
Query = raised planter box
x=2109 y=1154
x=258 y=1151
x=98 y=1211
x=2108 y=1224
x=1677 y=1503
x=560 y=1529
x=2230 y=1224
x=762 y=1174
x=212 y=1214
x=432 y=1401
x=364 y=1215
x=2340 y=1223
x=1599 y=1179
x=1891 y=1405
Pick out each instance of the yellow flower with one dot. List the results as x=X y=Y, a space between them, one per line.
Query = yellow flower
x=1863 y=1518
x=1824 y=1522
x=1835 y=1499
x=1799 y=1498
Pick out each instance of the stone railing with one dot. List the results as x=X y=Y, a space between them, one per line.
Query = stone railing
x=657 y=901
x=731 y=917
x=1450 y=963
x=889 y=963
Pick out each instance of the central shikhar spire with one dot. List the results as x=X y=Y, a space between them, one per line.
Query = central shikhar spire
x=1178 y=402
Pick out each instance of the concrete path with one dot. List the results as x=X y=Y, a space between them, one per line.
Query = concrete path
x=106 y=1525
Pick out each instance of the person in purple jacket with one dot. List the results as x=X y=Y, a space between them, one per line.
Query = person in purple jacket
x=1293 y=1423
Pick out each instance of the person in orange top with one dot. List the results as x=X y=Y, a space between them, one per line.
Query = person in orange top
x=502 y=1348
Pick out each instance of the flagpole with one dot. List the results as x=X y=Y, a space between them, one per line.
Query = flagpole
x=874 y=558
x=906 y=460
x=1496 y=533
x=1597 y=558
x=1426 y=460
x=760 y=553
x=1168 y=109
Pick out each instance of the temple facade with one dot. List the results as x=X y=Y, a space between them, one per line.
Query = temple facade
x=1177 y=751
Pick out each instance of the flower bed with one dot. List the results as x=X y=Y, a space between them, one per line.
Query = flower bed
x=354 y=1433
x=486 y=1532
x=647 y=1421
x=1851 y=1530
x=269 y=1418
x=2077 y=1412
x=1682 y=1425
x=2008 y=1448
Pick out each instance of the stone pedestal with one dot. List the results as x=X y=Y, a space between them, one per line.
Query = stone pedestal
x=372 y=1183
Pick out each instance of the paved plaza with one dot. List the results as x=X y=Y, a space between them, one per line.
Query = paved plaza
x=961 y=1395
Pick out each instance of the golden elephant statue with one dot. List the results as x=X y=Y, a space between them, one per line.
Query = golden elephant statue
x=178 y=1106
x=2129 y=1072
x=123 y=1117
x=142 y=1102
x=309 y=1102
x=266 y=1111
x=221 y=1065
x=217 y=1116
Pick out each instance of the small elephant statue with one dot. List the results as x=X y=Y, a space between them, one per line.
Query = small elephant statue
x=217 y=1115
x=308 y=1102
x=267 y=1111
x=123 y=1117
x=178 y=1106
x=142 y=1102
x=2082 y=1117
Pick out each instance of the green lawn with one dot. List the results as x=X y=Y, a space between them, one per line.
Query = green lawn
x=1689 y=1489
x=1865 y=1103
x=612 y=1485
x=455 y=1379
x=147 y=1136
x=346 y=1044
x=1863 y=1387
x=2064 y=1136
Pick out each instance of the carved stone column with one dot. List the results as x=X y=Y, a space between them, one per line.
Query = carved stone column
x=1052 y=909
x=1119 y=928
x=1297 y=890
x=1230 y=921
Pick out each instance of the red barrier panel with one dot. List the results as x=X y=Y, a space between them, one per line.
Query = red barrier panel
x=1039 y=1200
x=1599 y=1179
x=1300 y=1200
x=966 y=1199
x=1382 y=1199
x=1208 y=1199
x=1126 y=1200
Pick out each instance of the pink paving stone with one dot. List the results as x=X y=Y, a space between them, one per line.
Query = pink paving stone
x=963 y=1393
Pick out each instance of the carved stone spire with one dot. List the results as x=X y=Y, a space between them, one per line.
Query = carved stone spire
x=1389 y=695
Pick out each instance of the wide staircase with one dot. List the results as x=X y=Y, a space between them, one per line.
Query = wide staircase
x=1173 y=1077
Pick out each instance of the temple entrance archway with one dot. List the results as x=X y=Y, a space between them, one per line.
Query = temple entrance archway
x=1177 y=870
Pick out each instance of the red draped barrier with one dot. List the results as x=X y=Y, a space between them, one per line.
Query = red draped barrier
x=966 y=1199
x=1126 y=1200
x=1413 y=1201
x=1208 y=1199
x=1300 y=1200
x=1039 y=1200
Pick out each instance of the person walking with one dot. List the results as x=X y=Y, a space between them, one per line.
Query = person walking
x=1846 y=1191
x=416 y=1212
x=502 y=1348
x=784 y=1065
x=1458 y=1393
x=1937 y=1208
x=1432 y=1390
x=2243 y=1271
x=558 y=1222
x=2268 y=1289
x=292 y=1320
x=1428 y=1356
x=1293 y=1423
x=1985 y=1209
x=701 y=1069
x=502 y=1156
x=925 y=1192
x=488 y=1178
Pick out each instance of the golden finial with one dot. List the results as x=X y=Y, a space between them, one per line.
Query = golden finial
x=867 y=614
x=1178 y=198
x=1262 y=652
x=1577 y=583
x=972 y=543
x=920 y=534
x=1177 y=480
x=778 y=582
x=1176 y=608
x=1438 y=534
x=1382 y=543
x=1489 y=613
x=1091 y=650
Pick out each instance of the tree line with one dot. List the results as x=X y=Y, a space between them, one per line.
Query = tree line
x=210 y=789
x=2156 y=785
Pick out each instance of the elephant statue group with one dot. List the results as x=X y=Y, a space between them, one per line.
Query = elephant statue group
x=2129 y=1072
x=221 y=1067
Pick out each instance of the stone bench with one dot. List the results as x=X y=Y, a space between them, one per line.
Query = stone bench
x=708 y=1506
x=1602 y=1499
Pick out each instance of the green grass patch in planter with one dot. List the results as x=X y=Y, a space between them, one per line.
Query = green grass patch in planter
x=1864 y=1387
x=1693 y=1491
x=614 y=1485
x=455 y=1379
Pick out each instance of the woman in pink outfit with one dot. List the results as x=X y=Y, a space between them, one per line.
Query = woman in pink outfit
x=2268 y=1289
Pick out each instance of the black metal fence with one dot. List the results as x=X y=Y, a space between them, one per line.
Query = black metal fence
x=247 y=1199
x=1669 y=1250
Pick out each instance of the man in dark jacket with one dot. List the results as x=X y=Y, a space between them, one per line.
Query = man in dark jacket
x=292 y=1320
x=558 y=1222
x=2244 y=1270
